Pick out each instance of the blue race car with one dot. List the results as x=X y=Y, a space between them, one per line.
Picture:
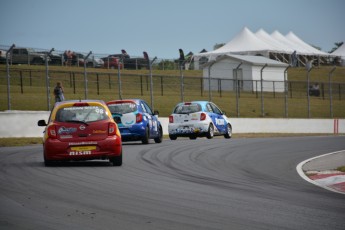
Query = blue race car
x=136 y=121
x=198 y=119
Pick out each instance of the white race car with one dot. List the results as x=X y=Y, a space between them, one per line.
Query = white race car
x=198 y=119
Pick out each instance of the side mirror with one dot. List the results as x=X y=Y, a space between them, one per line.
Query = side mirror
x=41 y=123
x=156 y=112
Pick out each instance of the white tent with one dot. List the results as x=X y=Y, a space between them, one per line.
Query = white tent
x=243 y=43
x=294 y=46
x=340 y=52
x=280 y=47
x=275 y=46
x=293 y=38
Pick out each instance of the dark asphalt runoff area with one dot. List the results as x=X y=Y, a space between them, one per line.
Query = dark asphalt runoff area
x=243 y=183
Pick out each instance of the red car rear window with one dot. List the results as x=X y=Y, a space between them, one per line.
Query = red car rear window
x=81 y=113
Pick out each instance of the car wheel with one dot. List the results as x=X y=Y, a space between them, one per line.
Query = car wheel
x=160 y=135
x=193 y=137
x=48 y=163
x=145 y=139
x=210 y=132
x=117 y=160
x=37 y=61
x=228 y=133
x=172 y=137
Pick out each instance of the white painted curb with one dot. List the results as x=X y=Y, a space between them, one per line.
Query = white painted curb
x=305 y=177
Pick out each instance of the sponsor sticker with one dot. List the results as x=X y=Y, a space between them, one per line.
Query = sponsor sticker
x=99 y=131
x=64 y=130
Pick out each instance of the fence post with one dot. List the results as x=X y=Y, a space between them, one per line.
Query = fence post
x=97 y=84
x=21 y=82
x=119 y=80
x=85 y=74
x=330 y=91
x=308 y=83
x=109 y=81
x=73 y=83
x=47 y=78
x=286 y=91
x=8 y=77
x=237 y=90
x=30 y=78
x=262 y=87
x=161 y=85
x=201 y=88
x=209 y=80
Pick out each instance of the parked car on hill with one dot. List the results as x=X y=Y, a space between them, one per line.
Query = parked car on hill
x=112 y=62
x=3 y=57
x=26 y=56
x=55 y=58
x=198 y=119
x=78 y=59
x=130 y=63
x=136 y=120
x=81 y=130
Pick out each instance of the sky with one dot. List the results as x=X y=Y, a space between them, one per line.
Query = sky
x=162 y=27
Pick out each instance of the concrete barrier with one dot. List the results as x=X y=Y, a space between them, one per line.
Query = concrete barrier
x=24 y=124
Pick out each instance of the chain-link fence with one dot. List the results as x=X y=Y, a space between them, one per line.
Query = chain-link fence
x=31 y=90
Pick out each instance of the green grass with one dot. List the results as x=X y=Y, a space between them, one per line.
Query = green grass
x=28 y=90
x=6 y=142
x=341 y=169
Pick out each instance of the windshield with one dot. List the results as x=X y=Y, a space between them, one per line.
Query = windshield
x=187 y=108
x=123 y=108
x=81 y=114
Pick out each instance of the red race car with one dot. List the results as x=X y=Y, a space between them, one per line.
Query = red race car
x=81 y=130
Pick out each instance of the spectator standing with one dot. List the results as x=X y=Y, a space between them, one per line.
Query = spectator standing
x=58 y=92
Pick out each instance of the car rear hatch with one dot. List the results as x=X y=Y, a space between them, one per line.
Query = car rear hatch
x=125 y=113
x=81 y=131
x=186 y=112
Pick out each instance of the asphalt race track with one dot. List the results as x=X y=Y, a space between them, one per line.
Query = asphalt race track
x=245 y=183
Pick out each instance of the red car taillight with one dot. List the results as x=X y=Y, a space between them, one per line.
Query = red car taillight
x=202 y=116
x=52 y=131
x=139 y=117
x=112 y=129
x=171 y=119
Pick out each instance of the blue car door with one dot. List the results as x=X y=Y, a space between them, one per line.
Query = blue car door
x=152 y=119
x=217 y=118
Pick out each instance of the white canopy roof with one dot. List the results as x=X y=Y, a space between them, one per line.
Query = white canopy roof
x=246 y=42
x=293 y=38
x=340 y=51
x=264 y=36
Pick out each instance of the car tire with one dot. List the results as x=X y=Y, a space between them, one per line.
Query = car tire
x=172 y=137
x=145 y=139
x=193 y=137
x=37 y=61
x=48 y=163
x=116 y=161
x=160 y=135
x=210 y=132
x=228 y=133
